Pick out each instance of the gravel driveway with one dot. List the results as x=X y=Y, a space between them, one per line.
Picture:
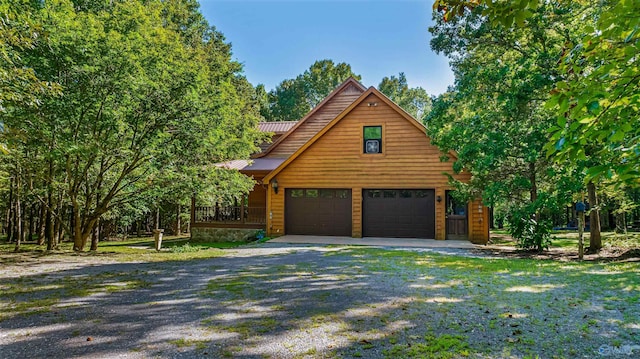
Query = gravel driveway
x=296 y=301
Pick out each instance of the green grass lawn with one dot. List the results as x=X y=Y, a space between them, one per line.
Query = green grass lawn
x=569 y=239
x=382 y=303
x=133 y=249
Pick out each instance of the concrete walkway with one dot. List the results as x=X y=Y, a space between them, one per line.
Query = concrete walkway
x=374 y=241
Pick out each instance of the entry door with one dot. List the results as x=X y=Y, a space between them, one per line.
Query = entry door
x=457 y=220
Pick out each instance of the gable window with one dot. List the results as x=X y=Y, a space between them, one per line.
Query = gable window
x=372 y=139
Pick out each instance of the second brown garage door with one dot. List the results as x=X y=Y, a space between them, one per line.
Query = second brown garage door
x=320 y=212
x=398 y=213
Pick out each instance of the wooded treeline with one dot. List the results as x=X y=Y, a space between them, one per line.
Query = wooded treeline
x=294 y=98
x=113 y=111
x=544 y=111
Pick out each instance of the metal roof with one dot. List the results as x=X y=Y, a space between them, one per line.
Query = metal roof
x=277 y=127
x=257 y=164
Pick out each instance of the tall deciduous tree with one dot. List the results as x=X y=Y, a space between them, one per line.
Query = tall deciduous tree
x=494 y=118
x=596 y=98
x=19 y=31
x=416 y=101
x=293 y=98
x=148 y=89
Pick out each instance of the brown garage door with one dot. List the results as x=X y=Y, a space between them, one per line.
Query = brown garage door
x=398 y=213
x=320 y=212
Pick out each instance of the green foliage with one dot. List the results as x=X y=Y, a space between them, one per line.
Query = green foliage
x=416 y=101
x=294 y=98
x=529 y=230
x=503 y=117
x=597 y=104
x=492 y=118
x=150 y=99
x=595 y=99
x=185 y=248
x=19 y=32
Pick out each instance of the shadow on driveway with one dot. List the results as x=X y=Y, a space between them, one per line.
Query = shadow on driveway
x=297 y=301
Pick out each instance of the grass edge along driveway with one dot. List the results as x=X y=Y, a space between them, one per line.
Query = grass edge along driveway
x=310 y=301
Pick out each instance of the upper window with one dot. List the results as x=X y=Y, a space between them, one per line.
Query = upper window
x=372 y=139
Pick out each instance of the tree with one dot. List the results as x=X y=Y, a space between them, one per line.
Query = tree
x=494 y=119
x=416 y=101
x=596 y=100
x=148 y=89
x=293 y=98
x=19 y=31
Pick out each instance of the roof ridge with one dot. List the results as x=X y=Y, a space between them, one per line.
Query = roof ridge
x=337 y=90
x=371 y=90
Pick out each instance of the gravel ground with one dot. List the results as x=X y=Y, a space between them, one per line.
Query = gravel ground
x=301 y=301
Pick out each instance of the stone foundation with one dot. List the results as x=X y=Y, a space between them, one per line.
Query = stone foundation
x=199 y=234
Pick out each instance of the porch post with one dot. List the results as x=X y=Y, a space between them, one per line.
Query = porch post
x=242 y=210
x=193 y=209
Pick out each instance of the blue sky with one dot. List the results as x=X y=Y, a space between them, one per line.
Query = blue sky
x=277 y=40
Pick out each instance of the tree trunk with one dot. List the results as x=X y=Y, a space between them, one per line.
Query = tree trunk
x=533 y=196
x=18 y=216
x=41 y=225
x=157 y=224
x=59 y=223
x=621 y=223
x=56 y=231
x=95 y=237
x=5 y=229
x=48 y=226
x=580 y=235
x=11 y=216
x=78 y=241
x=595 y=240
x=178 y=223
x=23 y=222
x=61 y=228
x=533 y=190
x=31 y=224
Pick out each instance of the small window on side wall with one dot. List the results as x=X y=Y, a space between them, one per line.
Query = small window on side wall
x=372 y=139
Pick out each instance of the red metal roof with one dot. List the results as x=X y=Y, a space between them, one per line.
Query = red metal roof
x=257 y=164
x=276 y=127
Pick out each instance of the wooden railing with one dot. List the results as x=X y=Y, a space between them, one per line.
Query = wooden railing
x=230 y=216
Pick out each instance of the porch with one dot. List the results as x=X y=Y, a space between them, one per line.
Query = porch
x=249 y=217
x=248 y=212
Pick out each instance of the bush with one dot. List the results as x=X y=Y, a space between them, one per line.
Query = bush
x=185 y=248
x=531 y=233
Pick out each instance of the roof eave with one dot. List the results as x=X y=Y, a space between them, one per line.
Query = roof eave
x=338 y=89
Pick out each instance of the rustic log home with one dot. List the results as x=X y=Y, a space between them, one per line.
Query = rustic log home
x=356 y=165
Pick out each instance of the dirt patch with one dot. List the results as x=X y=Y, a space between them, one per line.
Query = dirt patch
x=505 y=246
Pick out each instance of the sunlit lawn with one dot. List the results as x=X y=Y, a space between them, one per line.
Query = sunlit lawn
x=351 y=301
x=132 y=249
x=569 y=239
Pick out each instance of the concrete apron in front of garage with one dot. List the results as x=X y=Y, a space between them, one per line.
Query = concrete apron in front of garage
x=374 y=241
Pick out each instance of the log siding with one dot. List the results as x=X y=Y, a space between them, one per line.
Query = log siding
x=335 y=159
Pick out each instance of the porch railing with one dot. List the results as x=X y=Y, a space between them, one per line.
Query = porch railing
x=230 y=215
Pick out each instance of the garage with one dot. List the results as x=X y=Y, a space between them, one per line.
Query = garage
x=319 y=212
x=404 y=213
